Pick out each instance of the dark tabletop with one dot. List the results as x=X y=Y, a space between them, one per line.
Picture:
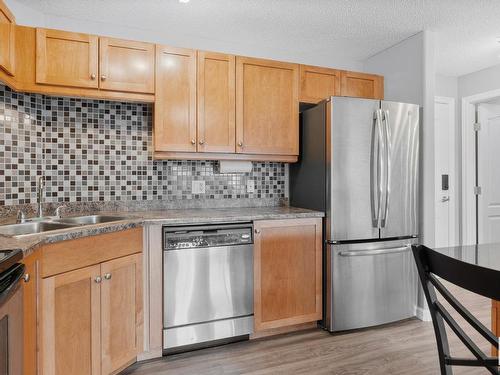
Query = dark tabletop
x=485 y=255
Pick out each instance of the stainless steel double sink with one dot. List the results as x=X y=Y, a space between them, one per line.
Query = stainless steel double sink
x=38 y=226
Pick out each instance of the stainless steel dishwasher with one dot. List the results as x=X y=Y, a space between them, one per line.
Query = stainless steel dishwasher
x=207 y=285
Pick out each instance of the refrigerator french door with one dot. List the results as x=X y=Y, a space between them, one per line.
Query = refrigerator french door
x=363 y=154
x=372 y=169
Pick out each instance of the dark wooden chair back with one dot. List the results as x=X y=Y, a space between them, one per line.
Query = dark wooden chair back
x=486 y=282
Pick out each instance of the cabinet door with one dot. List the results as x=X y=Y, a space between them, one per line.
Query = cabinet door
x=70 y=323
x=30 y=297
x=175 y=103
x=267 y=107
x=495 y=323
x=287 y=272
x=66 y=59
x=126 y=65
x=121 y=312
x=216 y=102
x=6 y=39
x=362 y=85
x=318 y=83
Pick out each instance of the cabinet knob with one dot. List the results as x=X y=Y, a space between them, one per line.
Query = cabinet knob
x=26 y=277
x=257 y=231
x=107 y=276
x=240 y=144
x=193 y=142
x=202 y=142
x=98 y=279
x=92 y=76
x=103 y=77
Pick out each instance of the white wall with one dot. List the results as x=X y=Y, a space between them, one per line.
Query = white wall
x=324 y=57
x=479 y=82
x=409 y=71
x=448 y=87
x=403 y=69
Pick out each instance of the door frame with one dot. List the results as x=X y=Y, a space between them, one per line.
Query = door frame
x=469 y=163
x=455 y=224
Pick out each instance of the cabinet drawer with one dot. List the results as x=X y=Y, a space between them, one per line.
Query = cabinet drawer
x=82 y=252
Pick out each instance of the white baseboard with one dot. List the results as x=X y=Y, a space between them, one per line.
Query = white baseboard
x=423 y=314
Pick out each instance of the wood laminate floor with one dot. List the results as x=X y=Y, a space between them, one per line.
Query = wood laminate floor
x=406 y=347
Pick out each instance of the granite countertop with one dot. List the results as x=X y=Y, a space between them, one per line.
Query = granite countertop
x=30 y=243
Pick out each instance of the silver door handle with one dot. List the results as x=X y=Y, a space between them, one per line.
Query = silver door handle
x=375 y=182
x=445 y=199
x=387 y=148
x=390 y=250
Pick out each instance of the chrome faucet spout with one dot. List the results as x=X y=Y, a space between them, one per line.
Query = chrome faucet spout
x=40 y=195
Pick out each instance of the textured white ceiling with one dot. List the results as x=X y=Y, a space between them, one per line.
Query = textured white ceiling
x=324 y=32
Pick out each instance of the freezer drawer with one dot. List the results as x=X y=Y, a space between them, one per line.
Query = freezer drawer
x=371 y=284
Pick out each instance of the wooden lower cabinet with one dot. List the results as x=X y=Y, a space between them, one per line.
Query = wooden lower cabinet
x=495 y=322
x=31 y=286
x=287 y=272
x=121 y=312
x=70 y=323
x=91 y=318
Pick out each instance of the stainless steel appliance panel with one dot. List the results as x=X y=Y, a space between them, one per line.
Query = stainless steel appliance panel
x=11 y=320
x=400 y=204
x=194 y=334
x=372 y=283
x=205 y=284
x=354 y=128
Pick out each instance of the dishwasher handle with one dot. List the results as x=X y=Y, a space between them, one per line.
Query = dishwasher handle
x=389 y=250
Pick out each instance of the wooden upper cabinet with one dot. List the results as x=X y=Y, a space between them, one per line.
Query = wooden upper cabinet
x=126 y=65
x=121 y=312
x=287 y=272
x=318 y=83
x=66 y=59
x=267 y=107
x=216 y=102
x=175 y=105
x=7 y=35
x=362 y=85
x=70 y=323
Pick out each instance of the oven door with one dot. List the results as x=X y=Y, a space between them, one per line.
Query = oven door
x=11 y=321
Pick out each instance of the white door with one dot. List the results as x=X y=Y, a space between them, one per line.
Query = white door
x=489 y=173
x=445 y=191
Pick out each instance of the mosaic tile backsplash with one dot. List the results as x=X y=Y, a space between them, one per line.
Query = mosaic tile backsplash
x=95 y=150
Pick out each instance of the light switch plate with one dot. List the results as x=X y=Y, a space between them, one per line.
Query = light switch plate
x=250 y=186
x=198 y=187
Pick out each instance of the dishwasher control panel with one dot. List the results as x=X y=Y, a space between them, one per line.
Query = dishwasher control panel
x=193 y=237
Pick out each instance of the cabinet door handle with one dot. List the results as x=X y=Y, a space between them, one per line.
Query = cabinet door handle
x=92 y=76
x=240 y=144
x=193 y=142
x=257 y=231
x=107 y=276
x=98 y=279
x=26 y=277
x=103 y=77
x=202 y=142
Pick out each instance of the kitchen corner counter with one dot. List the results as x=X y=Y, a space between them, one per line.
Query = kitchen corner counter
x=29 y=244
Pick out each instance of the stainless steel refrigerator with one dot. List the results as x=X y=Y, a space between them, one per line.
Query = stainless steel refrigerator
x=359 y=164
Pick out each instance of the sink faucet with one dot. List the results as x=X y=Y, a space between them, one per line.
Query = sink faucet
x=40 y=194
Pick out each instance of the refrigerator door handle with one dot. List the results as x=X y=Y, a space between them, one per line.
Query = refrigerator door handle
x=376 y=167
x=390 y=250
x=387 y=140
